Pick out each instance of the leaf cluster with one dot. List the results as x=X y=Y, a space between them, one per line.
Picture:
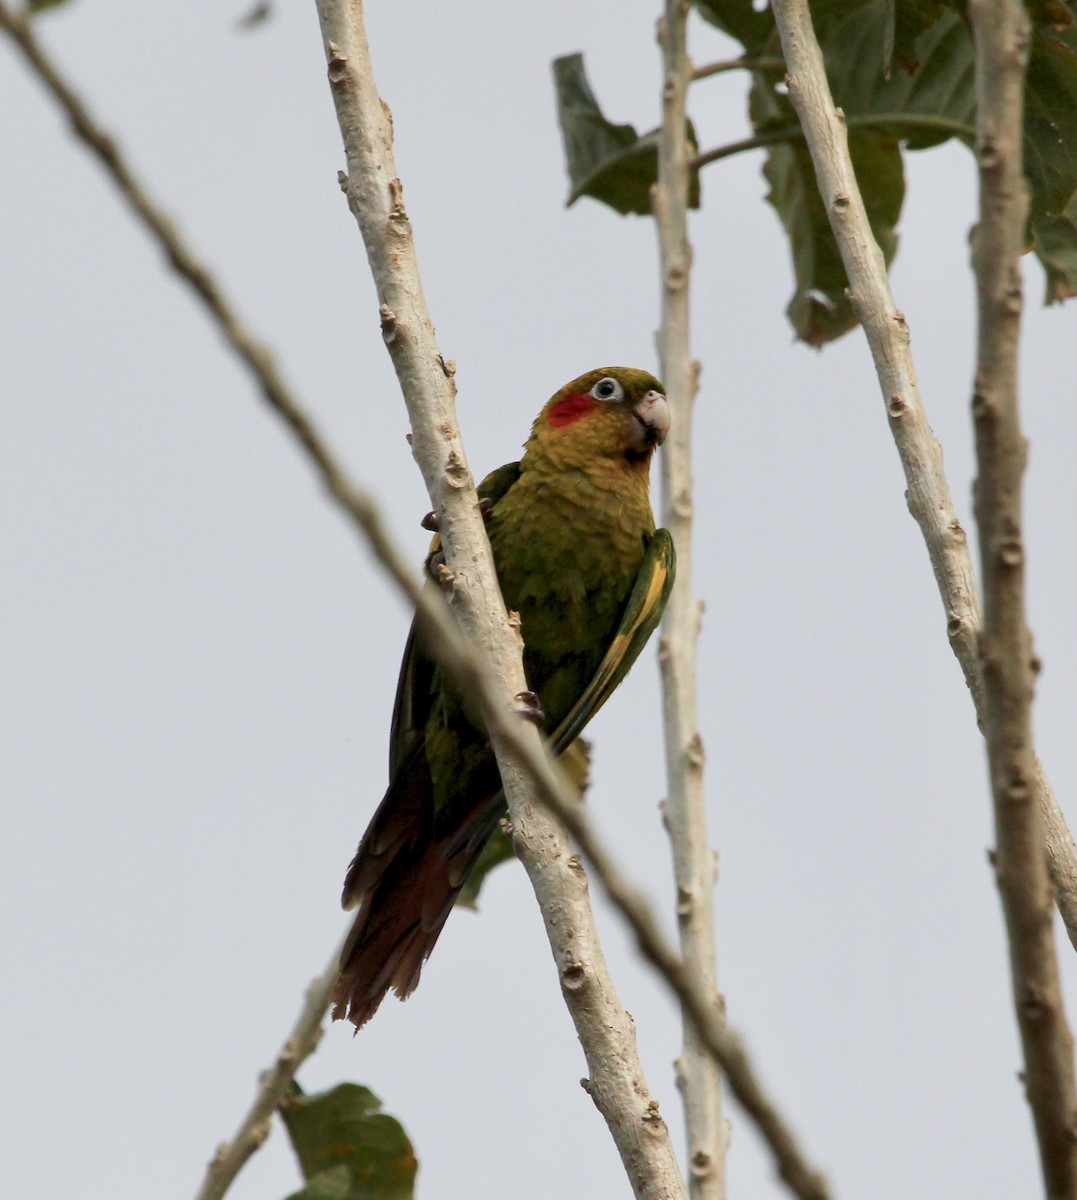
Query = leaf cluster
x=902 y=71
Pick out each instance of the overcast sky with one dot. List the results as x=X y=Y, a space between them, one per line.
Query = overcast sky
x=197 y=657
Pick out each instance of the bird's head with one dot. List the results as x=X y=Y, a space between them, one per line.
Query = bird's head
x=609 y=413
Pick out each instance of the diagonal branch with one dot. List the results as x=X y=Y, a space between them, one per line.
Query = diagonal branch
x=299 y=1045
x=451 y=649
x=927 y=492
x=375 y=195
x=685 y=809
x=1001 y=34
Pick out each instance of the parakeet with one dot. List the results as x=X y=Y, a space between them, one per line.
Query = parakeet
x=579 y=558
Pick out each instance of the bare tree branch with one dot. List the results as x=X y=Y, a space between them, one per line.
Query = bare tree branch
x=685 y=809
x=461 y=661
x=927 y=492
x=745 y=62
x=1001 y=33
x=375 y=196
x=254 y=1128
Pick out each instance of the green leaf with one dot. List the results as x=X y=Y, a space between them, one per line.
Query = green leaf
x=922 y=109
x=1051 y=120
x=348 y=1149
x=40 y=5
x=928 y=101
x=610 y=163
x=740 y=20
x=576 y=763
x=334 y=1183
x=1056 y=248
x=910 y=19
x=820 y=311
x=496 y=851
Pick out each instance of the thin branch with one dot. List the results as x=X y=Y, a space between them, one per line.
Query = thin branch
x=770 y=137
x=254 y=1128
x=256 y=356
x=927 y=492
x=746 y=62
x=460 y=660
x=617 y=1084
x=795 y=133
x=1001 y=34
x=685 y=809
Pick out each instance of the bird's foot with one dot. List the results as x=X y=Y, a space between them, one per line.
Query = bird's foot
x=530 y=709
x=431 y=521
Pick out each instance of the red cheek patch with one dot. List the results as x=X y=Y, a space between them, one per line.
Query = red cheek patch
x=569 y=410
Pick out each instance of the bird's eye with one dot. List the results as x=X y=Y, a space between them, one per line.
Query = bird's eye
x=608 y=389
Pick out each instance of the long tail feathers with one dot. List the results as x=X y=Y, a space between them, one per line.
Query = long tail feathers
x=405 y=878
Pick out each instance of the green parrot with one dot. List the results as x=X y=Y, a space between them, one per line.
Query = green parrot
x=579 y=558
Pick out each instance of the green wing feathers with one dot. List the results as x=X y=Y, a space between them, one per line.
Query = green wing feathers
x=639 y=620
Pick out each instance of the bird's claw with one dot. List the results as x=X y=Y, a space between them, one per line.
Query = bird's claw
x=431 y=521
x=530 y=709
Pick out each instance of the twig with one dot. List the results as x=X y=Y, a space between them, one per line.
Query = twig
x=180 y=258
x=1001 y=34
x=450 y=647
x=375 y=196
x=927 y=492
x=685 y=809
x=795 y=133
x=254 y=1128
x=746 y=62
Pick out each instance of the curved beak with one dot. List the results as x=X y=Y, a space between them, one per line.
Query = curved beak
x=650 y=422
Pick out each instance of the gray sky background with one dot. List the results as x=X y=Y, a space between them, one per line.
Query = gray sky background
x=197 y=658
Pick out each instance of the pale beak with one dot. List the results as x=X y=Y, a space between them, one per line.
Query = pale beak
x=651 y=422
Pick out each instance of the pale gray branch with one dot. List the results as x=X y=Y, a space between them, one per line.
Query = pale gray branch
x=1001 y=35
x=506 y=729
x=685 y=809
x=927 y=492
x=375 y=196
x=254 y=1128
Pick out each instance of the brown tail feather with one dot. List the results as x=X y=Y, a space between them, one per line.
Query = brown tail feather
x=405 y=878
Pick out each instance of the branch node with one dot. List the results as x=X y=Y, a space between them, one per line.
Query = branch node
x=987 y=155
x=1018 y=790
x=897 y=407
x=983 y=408
x=338 y=65
x=397 y=212
x=693 y=753
x=701 y=1165
x=388 y=324
x=456 y=473
x=1011 y=553
x=573 y=976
